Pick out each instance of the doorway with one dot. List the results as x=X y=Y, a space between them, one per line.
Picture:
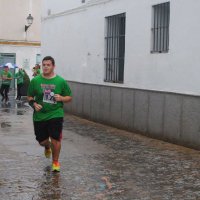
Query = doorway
x=8 y=58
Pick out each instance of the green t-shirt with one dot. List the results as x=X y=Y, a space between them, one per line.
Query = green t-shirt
x=38 y=72
x=6 y=75
x=43 y=91
x=19 y=76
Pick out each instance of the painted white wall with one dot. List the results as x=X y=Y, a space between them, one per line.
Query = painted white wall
x=76 y=40
x=13 y=16
x=25 y=56
x=54 y=7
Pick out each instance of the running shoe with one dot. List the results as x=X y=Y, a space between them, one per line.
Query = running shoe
x=47 y=152
x=56 y=166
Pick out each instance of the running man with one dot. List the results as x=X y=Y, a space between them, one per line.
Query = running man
x=46 y=95
x=6 y=77
x=20 y=81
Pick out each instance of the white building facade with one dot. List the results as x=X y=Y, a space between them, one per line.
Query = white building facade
x=18 y=46
x=131 y=64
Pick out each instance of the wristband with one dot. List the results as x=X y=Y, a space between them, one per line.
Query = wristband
x=31 y=103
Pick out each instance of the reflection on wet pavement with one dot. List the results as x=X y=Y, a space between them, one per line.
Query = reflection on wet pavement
x=5 y=124
x=97 y=163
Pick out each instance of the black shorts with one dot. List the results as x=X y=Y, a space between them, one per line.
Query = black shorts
x=50 y=128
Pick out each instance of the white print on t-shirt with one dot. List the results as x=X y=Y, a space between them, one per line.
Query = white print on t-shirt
x=48 y=93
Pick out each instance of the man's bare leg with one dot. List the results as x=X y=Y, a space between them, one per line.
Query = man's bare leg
x=46 y=144
x=56 y=146
x=47 y=148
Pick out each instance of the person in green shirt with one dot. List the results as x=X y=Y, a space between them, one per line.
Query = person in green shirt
x=20 y=81
x=46 y=95
x=6 y=77
x=36 y=70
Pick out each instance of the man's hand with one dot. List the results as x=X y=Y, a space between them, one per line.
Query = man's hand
x=58 y=97
x=37 y=106
x=64 y=99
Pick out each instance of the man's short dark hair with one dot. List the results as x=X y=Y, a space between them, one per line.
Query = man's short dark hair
x=49 y=58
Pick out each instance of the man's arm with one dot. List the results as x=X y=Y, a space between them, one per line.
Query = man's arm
x=9 y=77
x=16 y=76
x=37 y=107
x=64 y=99
x=29 y=98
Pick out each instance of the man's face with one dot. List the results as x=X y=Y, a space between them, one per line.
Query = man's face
x=47 y=67
x=6 y=69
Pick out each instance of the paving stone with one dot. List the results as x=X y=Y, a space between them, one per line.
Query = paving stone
x=97 y=163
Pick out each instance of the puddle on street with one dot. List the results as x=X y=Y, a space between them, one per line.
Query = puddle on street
x=5 y=124
x=6 y=110
x=20 y=112
x=49 y=187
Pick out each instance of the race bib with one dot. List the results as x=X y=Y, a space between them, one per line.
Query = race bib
x=48 y=94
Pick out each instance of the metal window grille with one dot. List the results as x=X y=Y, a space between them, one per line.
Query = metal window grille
x=160 y=29
x=115 y=48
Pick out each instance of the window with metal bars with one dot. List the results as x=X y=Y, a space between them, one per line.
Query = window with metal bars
x=115 y=48
x=160 y=28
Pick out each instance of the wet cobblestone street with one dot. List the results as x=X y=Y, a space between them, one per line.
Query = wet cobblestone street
x=97 y=163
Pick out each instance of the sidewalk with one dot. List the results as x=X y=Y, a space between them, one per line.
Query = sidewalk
x=97 y=163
